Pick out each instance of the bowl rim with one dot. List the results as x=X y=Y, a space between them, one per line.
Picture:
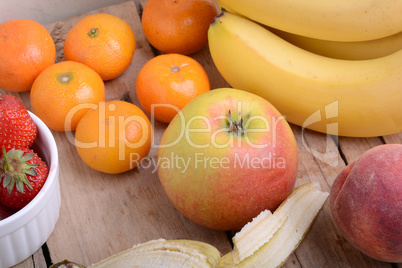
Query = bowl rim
x=33 y=208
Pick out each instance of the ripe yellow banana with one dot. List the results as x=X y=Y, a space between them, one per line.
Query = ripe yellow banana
x=340 y=97
x=295 y=216
x=336 y=20
x=363 y=50
x=165 y=253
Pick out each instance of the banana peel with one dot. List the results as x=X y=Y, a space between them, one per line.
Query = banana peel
x=295 y=215
x=267 y=241
x=66 y=264
x=165 y=253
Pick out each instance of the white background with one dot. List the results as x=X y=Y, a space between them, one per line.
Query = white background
x=48 y=11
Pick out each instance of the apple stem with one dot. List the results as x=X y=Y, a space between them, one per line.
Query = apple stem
x=235 y=126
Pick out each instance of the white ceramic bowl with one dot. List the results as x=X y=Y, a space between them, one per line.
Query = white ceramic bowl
x=24 y=232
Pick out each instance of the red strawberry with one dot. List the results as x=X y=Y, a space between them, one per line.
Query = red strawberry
x=5 y=212
x=23 y=174
x=17 y=129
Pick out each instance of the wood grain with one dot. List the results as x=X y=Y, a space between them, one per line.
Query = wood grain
x=103 y=214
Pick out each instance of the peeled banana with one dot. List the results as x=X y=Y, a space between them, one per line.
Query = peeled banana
x=360 y=98
x=165 y=253
x=263 y=227
x=335 y=20
x=295 y=214
x=255 y=234
x=363 y=50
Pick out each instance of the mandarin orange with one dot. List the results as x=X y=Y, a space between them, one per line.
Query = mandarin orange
x=114 y=137
x=26 y=49
x=178 y=26
x=64 y=92
x=166 y=83
x=104 y=42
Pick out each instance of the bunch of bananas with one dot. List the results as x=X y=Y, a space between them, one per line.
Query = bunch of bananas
x=330 y=66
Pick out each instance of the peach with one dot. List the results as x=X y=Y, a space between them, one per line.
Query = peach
x=366 y=203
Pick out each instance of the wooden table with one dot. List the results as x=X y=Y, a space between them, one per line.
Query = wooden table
x=103 y=214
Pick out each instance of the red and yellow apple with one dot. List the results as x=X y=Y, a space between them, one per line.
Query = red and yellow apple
x=227 y=156
x=366 y=203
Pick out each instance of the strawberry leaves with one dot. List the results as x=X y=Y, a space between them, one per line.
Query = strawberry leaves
x=15 y=169
x=23 y=174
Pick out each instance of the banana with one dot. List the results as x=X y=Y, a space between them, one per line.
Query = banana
x=335 y=20
x=297 y=213
x=263 y=227
x=363 y=50
x=165 y=253
x=254 y=235
x=339 y=97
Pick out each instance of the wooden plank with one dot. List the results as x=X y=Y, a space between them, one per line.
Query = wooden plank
x=314 y=251
x=28 y=263
x=352 y=148
x=36 y=260
x=395 y=138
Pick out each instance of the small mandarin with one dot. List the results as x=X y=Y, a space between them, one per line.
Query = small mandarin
x=114 y=137
x=178 y=26
x=64 y=92
x=26 y=49
x=104 y=42
x=166 y=83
